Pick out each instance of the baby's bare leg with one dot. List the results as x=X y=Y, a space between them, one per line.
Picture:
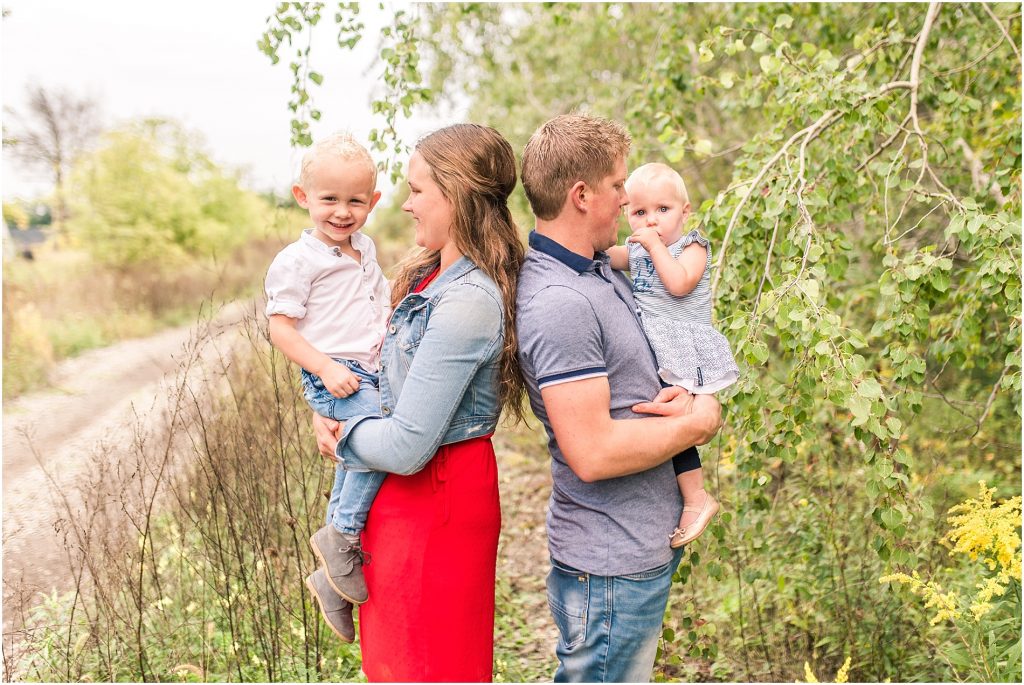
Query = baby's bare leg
x=691 y=484
x=698 y=508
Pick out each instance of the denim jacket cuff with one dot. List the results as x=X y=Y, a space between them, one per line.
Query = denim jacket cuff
x=349 y=460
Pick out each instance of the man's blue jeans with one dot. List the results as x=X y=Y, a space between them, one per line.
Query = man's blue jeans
x=608 y=626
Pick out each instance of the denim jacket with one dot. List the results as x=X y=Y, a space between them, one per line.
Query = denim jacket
x=438 y=374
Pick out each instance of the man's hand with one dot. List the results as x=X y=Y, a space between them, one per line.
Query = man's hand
x=328 y=433
x=339 y=380
x=676 y=401
x=646 y=236
x=671 y=401
x=707 y=408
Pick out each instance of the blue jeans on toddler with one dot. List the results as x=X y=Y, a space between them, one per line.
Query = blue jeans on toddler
x=353 y=491
x=608 y=626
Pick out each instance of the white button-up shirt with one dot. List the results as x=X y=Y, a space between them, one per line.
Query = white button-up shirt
x=341 y=305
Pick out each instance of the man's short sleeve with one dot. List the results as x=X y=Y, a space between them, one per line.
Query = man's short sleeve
x=560 y=337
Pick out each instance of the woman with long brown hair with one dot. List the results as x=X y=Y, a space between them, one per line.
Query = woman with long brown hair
x=448 y=369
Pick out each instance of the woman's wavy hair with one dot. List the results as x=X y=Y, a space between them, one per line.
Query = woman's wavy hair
x=475 y=168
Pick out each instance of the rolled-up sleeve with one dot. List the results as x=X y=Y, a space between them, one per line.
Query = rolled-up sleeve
x=287 y=286
x=464 y=332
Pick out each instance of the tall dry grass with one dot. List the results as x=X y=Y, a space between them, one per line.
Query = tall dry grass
x=187 y=547
x=63 y=302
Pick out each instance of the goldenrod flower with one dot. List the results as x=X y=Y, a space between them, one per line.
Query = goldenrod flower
x=945 y=604
x=981 y=528
x=844 y=672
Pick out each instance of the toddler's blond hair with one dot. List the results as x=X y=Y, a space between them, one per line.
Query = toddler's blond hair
x=337 y=145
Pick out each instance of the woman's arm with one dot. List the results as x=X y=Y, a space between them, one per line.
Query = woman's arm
x=681 y=275
x=463 y=333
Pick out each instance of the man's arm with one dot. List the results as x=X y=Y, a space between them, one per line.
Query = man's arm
x=598 y=447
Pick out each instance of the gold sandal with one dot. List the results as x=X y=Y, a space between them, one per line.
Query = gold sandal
x=682 y=536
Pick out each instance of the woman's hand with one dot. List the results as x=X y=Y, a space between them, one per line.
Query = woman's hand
x=328 y=433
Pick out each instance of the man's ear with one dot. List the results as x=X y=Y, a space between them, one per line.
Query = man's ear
x=374 y=200
x=300 y=196
x=579 y=195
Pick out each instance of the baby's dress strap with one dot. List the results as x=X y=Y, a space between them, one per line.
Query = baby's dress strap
x=692 y=237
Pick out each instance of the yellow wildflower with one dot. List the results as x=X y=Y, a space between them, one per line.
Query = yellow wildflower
x=844 y=672
x=987 y=590
x=989 y=531
x=841 y=675
x=945 y=604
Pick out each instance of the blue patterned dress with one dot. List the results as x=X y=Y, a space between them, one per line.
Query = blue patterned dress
x=690 y=352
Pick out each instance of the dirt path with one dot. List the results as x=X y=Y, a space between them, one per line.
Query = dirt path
x=49 y=437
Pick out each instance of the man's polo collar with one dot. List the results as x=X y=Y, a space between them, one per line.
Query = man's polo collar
x=573 y=260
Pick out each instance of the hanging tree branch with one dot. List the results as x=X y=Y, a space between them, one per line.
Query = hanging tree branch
x=831 y=117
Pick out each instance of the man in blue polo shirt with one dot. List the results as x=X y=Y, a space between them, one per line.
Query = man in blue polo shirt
x=590 y=375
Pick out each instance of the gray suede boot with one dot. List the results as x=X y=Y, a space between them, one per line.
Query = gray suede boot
x=337 y=611
x=343 y=563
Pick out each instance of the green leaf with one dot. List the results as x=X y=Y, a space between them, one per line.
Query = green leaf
x=869 y=389
x=783 y=21
x=860 y=408
x=759 y=351
x=316 y=77
x=891 y=518
x=760 y=43
x=895 y=426
x=769 y=64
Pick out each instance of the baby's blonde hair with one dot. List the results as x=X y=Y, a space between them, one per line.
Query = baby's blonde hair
x=655 y=170
x=337 y=145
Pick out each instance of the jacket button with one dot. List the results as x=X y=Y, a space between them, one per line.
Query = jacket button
x=392 y=329
x=386 y=410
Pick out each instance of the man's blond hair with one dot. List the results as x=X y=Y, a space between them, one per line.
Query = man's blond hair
x=338 y=146
x=565 y=150
x=656 y=170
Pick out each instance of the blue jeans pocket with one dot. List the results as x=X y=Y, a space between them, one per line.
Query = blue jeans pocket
x=568 y=598
x=364 y=402
x=648 y=574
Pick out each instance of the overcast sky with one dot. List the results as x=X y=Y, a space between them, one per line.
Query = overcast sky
x=194 y=61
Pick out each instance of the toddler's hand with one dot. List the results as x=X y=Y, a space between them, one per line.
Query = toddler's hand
x=339 y=381
x=646 y=236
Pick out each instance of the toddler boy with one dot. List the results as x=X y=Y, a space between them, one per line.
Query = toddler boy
x=328 y=306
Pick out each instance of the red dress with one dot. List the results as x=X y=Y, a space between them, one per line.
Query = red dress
x=432 y=538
